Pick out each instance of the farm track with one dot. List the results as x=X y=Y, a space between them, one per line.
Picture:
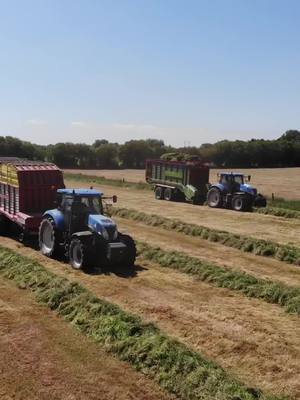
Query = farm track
x=257 y=342
x=259 y=226
x=43 y=357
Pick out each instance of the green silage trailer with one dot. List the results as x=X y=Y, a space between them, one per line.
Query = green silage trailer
x=178 y=180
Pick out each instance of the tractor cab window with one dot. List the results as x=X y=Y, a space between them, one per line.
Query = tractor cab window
x=239 y=179
x=93 y=204
x=224 y=179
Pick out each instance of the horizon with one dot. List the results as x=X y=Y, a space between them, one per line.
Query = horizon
x=185 y=73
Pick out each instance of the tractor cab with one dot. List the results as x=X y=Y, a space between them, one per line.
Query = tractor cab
x=233 y=182
x=77 y=205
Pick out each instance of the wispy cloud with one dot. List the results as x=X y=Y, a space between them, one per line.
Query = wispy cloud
x=135 y=127
x=78 y=123
x=37 y=122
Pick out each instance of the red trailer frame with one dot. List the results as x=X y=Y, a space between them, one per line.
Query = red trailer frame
x=27 y=190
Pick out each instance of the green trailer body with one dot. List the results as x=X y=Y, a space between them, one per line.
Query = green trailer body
x=178 y=180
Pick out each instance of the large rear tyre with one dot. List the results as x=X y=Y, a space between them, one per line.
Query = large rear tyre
x=79 y=254
x=214 y=198
x=49 y=238
x=241 y=203
x=130 y=253
x=159 y=193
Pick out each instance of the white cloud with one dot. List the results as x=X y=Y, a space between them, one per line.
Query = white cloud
x=135 y=127
x=78 y=124
x=37 y=122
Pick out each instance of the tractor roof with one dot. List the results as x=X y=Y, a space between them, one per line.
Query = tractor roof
x=81 y=192
x=231 y=173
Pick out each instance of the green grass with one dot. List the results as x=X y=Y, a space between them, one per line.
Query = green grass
x=287 y=253
x=101 y=180
x=287 y=204
x=271 y=292
x=175 y=367
x=279 y=212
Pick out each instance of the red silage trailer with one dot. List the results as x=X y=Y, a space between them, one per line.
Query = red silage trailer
x=27 y=190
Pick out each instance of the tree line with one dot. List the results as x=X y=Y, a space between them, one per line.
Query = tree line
x=255 y=153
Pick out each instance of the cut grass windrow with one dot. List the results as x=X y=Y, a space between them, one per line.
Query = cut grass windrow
x=287 y=253
x=279 y=212
x=101 y=180
x=177 y=369
x=271 y=292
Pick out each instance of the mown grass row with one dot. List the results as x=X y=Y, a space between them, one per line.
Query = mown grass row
x=249 y=285
x=279 y=212
x=177 y=369
x=287 y=253
x=287 y=204
x=101 y=180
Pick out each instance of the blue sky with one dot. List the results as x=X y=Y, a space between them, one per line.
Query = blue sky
x=182 y=71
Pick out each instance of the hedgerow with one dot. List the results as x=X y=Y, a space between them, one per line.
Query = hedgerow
x=101 y=180
x=175 y=367
x=282 y=252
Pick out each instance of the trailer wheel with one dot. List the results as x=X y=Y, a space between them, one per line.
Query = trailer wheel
x=159 y=193
x=49 y=238
x=4 y=224
x=79 y=254
x=168 y=194
x=130 y=251
x=241 y=203
x=214 y=198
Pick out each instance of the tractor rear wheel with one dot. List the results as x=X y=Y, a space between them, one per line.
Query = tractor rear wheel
x=240 y=203
x=168 y=194
x=130 y=254
x=214 y=198
x=79 y=254
x=159 y=193
x=49 y=238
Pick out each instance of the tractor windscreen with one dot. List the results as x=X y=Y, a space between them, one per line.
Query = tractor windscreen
x=239 y=179
x=93 y=204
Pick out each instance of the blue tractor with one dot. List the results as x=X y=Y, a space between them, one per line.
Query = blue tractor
x=78 y=228
x=233 y=191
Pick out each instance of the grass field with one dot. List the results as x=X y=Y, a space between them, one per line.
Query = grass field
x=283 y=182
x=209 y=311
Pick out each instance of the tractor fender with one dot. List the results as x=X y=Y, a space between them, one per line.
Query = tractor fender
x=218 y=186
x=58 y=218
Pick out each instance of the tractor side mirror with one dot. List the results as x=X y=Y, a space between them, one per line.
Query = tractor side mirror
x=114 y=198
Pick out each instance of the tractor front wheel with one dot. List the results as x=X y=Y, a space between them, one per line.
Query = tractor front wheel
x=79 y=254
x=240 y=203
x=130 y=253
x=49 y=238
x=214 y=198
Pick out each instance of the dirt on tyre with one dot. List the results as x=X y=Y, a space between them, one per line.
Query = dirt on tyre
x=159 y=193
x=49 y=238
x=214 y=198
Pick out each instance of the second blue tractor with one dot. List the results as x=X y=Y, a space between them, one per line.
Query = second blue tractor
x=233 y=191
